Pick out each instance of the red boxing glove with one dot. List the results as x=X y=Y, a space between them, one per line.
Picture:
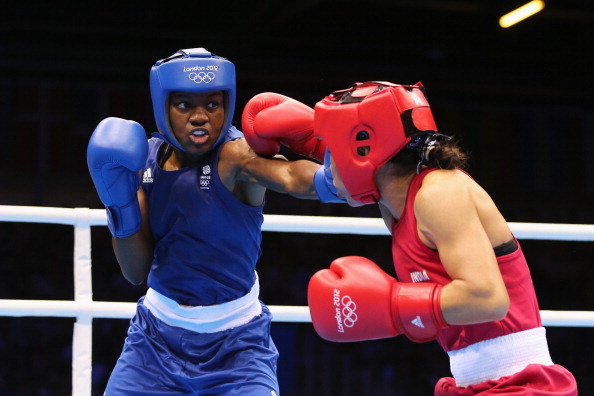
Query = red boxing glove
x=355 y=300
x=270 y=119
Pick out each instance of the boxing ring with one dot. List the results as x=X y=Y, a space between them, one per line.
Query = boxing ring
x=84 y=309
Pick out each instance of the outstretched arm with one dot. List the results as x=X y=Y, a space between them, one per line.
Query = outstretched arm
x=269 y=120
x=277 y=174
x=241 y=166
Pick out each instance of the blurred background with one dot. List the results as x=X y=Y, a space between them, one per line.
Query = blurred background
x=519 y=99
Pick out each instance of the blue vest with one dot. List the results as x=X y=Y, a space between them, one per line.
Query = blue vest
x=207 y=242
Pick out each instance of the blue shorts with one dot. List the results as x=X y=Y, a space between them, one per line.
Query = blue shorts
x=159 y=359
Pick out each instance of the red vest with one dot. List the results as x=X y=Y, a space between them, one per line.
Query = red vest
x=415 y=262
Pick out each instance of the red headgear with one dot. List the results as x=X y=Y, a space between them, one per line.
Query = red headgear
x=366 y=125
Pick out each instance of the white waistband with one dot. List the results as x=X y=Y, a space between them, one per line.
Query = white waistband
x=205 y=319
x=499 y=357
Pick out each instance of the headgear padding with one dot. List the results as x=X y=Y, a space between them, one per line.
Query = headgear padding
x=191 y=70
x=366 y=125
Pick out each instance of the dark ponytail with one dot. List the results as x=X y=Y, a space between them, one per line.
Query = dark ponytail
x=445 y=155
x=431 y=150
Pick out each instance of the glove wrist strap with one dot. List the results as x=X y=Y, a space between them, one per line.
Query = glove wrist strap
x=325 y=191
x=417 y=310
x=124 y=221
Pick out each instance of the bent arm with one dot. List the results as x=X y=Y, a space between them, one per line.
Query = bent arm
x=135 y=252
x=452 y=225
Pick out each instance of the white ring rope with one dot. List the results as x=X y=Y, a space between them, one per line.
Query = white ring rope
x=84 y=309
x=308 y=224
x=281 y=313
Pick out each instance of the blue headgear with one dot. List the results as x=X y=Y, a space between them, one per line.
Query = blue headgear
x=191 y=70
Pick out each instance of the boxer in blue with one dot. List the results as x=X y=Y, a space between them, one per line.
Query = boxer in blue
x=185 y=211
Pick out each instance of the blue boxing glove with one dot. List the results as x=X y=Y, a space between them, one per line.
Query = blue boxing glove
x=324 y=183
x=116 y=153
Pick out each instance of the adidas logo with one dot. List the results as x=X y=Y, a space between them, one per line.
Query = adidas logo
x=418 y=322
x=147 y=176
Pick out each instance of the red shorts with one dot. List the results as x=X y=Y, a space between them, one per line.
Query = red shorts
x=534 y=380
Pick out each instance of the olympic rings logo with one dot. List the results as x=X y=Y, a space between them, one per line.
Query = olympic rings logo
x=201 y=77
x=348 y=311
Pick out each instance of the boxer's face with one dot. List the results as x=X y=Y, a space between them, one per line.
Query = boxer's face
x=340 y=188
x=196 y=119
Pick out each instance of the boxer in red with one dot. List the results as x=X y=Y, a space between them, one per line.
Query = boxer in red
x=463 y=279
